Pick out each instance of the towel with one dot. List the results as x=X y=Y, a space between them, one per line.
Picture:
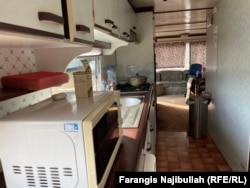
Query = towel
x=189 y=84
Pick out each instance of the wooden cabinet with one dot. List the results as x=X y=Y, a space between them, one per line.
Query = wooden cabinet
x=114 y=17
x=65 y=19
x=79 y=19
x=127 y=19
x=102 y=14
x=57 y=19
x=132 y=20
x=150 y=139
x=152 y=122
x=40 y=17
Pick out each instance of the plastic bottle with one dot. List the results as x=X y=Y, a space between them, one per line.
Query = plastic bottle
x=111 y=75
x=104 y=84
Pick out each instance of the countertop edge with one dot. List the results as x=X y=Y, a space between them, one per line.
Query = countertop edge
x=128 y=156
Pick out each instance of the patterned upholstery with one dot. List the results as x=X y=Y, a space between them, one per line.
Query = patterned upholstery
x=171 y=82
x=172 y=76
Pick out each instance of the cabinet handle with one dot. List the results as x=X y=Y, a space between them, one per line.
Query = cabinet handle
x=154 y=103
x=114 y=27
x=125 y=34
x=47 y=16
x=149 y=146
x=83 y=28
x=151 y=127
x=109 y=22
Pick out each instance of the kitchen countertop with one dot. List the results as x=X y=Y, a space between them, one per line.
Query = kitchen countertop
x=132 y=143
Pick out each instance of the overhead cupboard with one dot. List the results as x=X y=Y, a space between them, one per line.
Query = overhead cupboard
x=115 y=17
x=127 y=20
x=71 y=21
x=57 y=19
x=30 y=17
x=60 y=30
x=79 y=20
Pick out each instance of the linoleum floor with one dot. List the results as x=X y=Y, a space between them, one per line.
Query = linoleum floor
x=177 y=151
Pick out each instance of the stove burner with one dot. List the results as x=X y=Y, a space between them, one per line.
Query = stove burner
x=130 y=88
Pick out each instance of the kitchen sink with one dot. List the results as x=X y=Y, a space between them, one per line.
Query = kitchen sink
x=129 y=101
x=131 y=109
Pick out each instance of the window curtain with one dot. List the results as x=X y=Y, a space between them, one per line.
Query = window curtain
x=198 y=53
x=170 y=55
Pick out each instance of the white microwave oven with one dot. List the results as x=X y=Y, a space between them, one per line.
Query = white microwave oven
x=62 y=144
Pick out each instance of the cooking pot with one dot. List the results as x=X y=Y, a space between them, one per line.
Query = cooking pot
x=137 y=80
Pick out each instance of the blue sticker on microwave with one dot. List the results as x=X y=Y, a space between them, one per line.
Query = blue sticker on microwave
x=71 y=127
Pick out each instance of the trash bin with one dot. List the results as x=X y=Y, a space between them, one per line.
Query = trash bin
x=198 y=109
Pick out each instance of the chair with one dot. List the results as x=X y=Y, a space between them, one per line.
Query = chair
x=195 y=70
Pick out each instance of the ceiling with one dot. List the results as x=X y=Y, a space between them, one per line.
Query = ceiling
x=178 y=20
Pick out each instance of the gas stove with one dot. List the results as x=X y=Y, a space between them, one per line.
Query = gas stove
x=127 y=88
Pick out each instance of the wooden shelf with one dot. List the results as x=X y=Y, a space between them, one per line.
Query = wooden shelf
x=11 y=93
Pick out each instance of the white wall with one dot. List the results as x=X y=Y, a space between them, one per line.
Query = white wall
x=19 y=61
x=106 y=61
x=228 y=78
x=138 y=58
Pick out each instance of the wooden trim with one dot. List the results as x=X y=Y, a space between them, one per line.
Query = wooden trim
x=7 y=93
x=114 y=35
x=47 y=16
x=30 y=31
x=130 y=151
x=101 y=44
x=186 y=10
x=141 y=9
x=77 y=40
x=82 y=28
x=175 y=36
x=103 y=28
x=180 y=23
x=197 y=35
x=66 y=21
x=180 y=30
x=144 y=9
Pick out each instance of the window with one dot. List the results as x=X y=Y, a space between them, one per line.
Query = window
x=180 y=55
x=198 y=52
x=76 y=65
x=170 y=55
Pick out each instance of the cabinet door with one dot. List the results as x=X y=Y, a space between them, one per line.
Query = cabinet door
x=115 y=16
x=132 y=20
x=122 y=19
x=41 y=17
x=127 y=19
x=81 y=21
x=103 y=15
